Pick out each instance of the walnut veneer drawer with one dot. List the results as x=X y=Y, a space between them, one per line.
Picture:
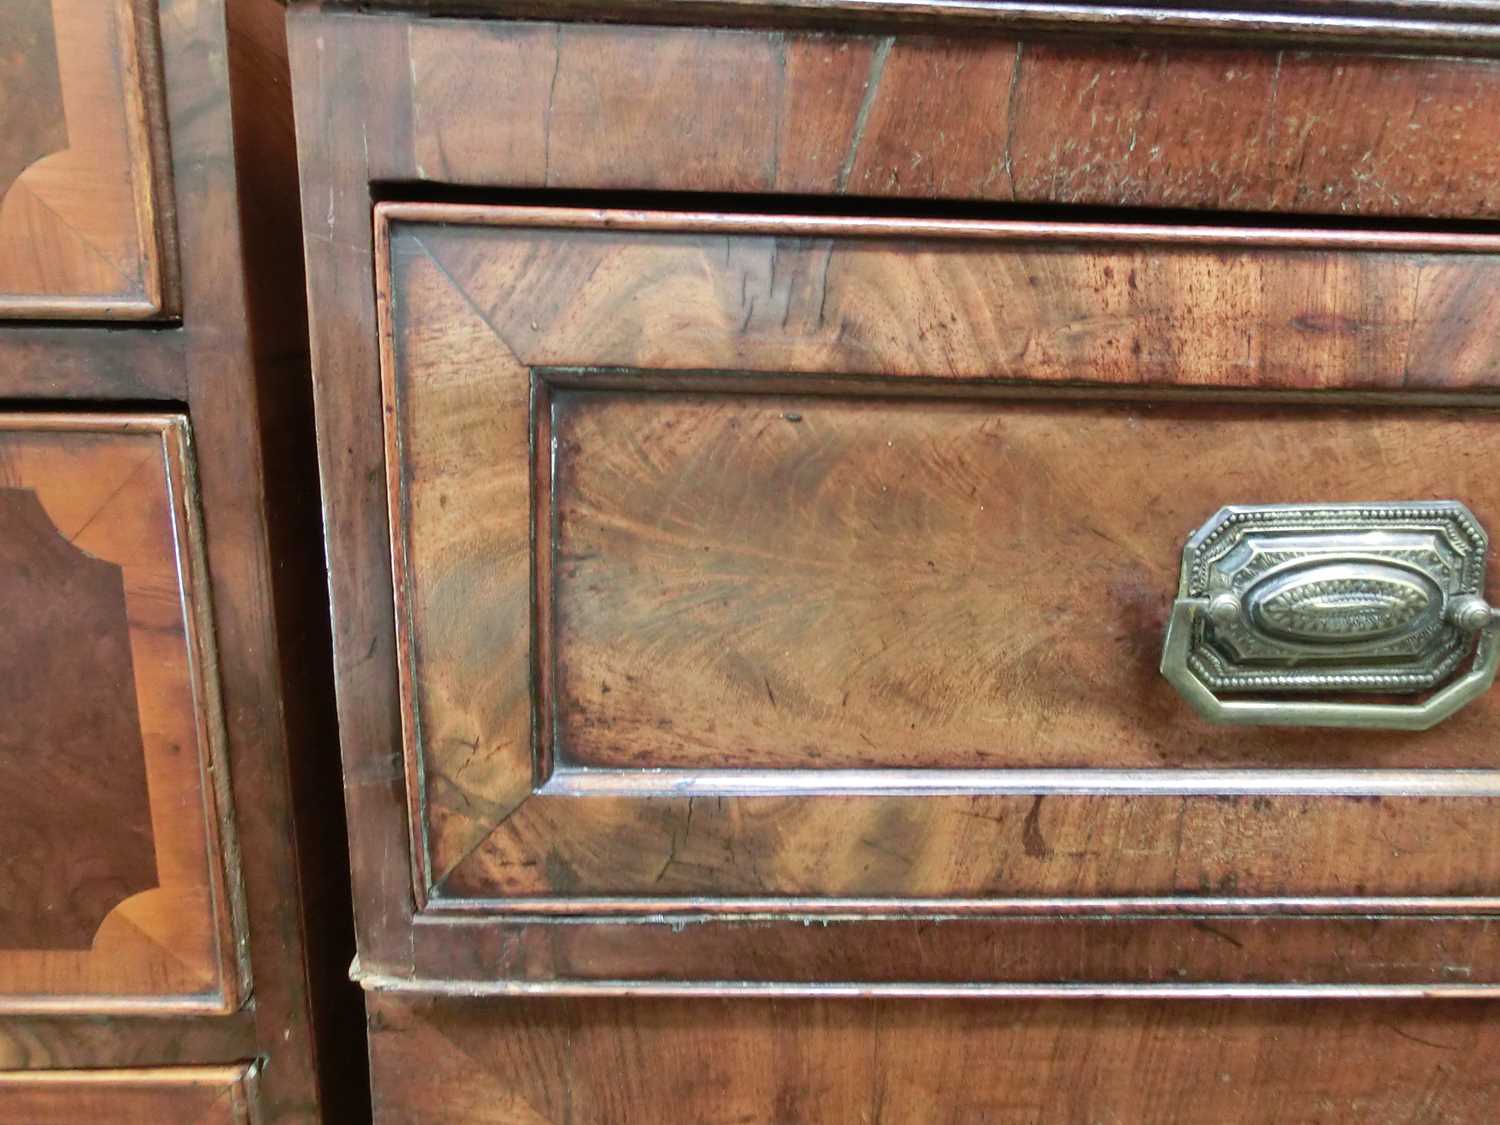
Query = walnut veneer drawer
x=205 y=1095
x=753 y=570
x=85 y=201
x=118 y=891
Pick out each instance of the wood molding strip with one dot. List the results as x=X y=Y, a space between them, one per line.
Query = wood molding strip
x=464 y=910
x=1457 y=28
x=478 y=989
x=939 y=782
x=1260 y=236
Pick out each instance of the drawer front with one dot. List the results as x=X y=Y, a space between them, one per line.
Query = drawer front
x=1143 y=122
x=207 y=1095
x=117 y=889
x=747 y=575
x=832 y=1061
x=84 y=215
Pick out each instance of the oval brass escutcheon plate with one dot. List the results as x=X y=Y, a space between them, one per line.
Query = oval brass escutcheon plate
x=1277 y=600
x=1322 y=602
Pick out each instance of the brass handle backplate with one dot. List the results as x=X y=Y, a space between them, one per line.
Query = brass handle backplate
x=1278 y=602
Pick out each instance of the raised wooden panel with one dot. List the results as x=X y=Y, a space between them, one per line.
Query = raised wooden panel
x=733 y=580
x=116 y=891
x=85 y=215
x=774 y=581
x=204 y=1095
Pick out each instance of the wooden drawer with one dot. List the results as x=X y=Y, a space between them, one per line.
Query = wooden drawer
x=117 y=892
x=205 y=1095
x=85 y=201
x=840 y=1062
x=755 y=571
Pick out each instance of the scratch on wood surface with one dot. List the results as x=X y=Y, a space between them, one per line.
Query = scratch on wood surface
x=872 y=88
x=1010 y=119
x=551 y=97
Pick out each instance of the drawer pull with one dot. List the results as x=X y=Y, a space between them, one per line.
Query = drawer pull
x=1277 y=601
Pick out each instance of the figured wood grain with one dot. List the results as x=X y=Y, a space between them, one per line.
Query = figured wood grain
x=955 y=300
x=1447 y=26
x=774 y=581
x=119 y=890
x=794 y=533
x=369 y=114
x=85 y=204
x=990 y=954
x=64 y=1042
x=481 y=302
x=207 y=1095
x=73 y=728
x=234 y=357
x=31 y=89
x=658 y=850
x=944 y=117
x=721 y=1061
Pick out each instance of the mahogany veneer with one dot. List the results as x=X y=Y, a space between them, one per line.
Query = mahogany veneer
x=758 y=441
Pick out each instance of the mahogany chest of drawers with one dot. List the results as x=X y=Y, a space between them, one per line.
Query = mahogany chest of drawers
x=771 y=454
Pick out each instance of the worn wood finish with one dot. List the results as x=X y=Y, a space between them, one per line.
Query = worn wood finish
x=901 y=1060
x=946 y=585
x=860 y=623
x=86 y=225
x=1228 y=946
x=361 y=125
x=1448 y=26
x=976 y=118
x=66 y=1042
x=338 y=77
x=385 y=102
x=235 y=360
x=219 y=1095
x=955 y=300
x=891 y=845
x=121 y=881
x=266 y=563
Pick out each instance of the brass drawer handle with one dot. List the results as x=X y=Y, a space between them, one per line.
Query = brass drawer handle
x=1282 y=600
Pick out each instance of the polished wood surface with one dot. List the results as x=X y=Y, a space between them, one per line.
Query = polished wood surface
x=940 y=585
x=610 y=884
x=952 y=300
x=86 y=226
x=354 y=63
x=1205 y=948
x=931 y=589
x=1451 y=26
x=233 y=359
x=221 y=1095
x=66 y=1042
x=1073 y=1062
x=977 y=118
x=121 y=883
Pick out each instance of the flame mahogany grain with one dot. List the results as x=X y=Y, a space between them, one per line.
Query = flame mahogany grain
x=487 y=865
